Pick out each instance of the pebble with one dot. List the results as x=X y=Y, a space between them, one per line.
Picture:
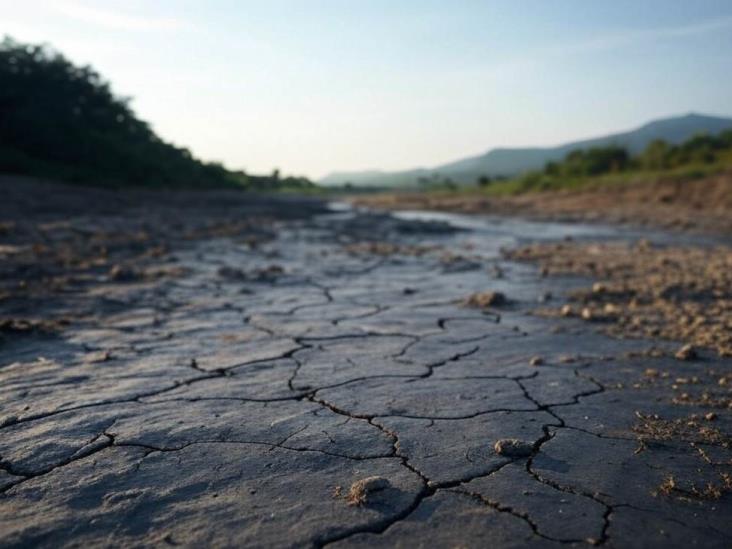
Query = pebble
x=513 y=447
x=359 y=491
x=486 y=299
x=687 y=352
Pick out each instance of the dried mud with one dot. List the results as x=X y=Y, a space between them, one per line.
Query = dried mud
x=232 y=370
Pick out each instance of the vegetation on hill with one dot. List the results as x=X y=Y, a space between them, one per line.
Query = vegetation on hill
x=62 y=121
x=699 y=156
x=504 y=163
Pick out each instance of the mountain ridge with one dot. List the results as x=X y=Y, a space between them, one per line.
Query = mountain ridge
x=510 y=161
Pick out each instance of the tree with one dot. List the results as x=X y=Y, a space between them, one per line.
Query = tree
x=484 y=181
x=62 y=121
x=656 y=155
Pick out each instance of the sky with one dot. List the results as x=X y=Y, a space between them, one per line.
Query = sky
x=314 y=86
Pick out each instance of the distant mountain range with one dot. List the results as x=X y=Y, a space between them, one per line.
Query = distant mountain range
x=509 y=162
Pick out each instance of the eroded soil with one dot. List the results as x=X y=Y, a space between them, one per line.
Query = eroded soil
x=672 y=292
x=701 y=205
x=312 y=380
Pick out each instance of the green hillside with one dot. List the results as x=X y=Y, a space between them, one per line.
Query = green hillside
x=511 y=162
x=62 y=121
x=694 y=158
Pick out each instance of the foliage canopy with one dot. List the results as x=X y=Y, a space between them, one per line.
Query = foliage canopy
x=62 y=121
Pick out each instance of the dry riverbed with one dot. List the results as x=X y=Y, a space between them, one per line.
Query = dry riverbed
x=224 y=369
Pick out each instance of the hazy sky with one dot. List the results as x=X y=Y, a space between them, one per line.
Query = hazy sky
x=314 y=86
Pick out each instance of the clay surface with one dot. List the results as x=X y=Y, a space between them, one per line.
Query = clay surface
x=237 y=407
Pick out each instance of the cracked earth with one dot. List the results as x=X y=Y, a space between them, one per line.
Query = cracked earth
x=221 y=407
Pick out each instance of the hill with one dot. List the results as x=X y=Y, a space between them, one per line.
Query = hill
x=512 y=161
x=61 y=121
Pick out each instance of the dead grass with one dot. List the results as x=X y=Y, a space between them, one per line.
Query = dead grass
x=709 y=491
x=707 y=399
x=696 y=429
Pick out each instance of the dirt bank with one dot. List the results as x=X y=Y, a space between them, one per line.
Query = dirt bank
x=675 y=293
x=700 y=205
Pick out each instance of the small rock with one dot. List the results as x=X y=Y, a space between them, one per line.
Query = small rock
x=687 y=352
x=485 y=299
x=118 y=273
x=710 y=416
x=598 y=288
x=566 y=310
x=360 y=490
x=536 y=361
x=513 y=447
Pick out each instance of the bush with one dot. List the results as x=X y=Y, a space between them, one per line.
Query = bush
x=582 y=166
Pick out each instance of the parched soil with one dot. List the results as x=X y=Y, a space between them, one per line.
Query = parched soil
x=56 y=239
x=225 y=369
x=700 y=205
x=640 y=290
